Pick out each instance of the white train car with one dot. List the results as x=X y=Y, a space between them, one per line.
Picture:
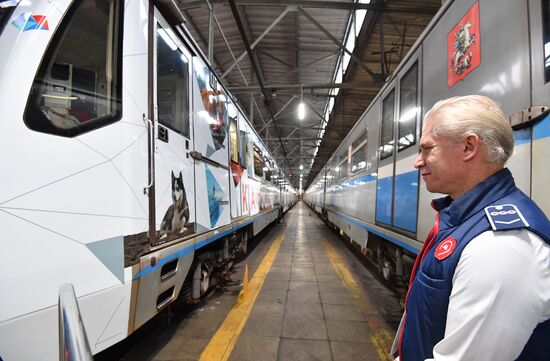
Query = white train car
x=127 y=170
x=369 y=188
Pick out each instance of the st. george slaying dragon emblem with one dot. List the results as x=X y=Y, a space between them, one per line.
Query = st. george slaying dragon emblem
x=462 y=56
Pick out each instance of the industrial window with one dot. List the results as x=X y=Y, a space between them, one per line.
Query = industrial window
x=546 y=38
x=386 y=139
x=172 y=83
x=408 y=108
x=78 y=84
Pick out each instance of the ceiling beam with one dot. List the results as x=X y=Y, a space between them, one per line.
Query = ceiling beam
x=267 y=95
x=247 y=89
x=251 y=46
x=425 y=9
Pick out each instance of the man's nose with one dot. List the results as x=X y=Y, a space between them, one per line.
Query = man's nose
x=419 y=162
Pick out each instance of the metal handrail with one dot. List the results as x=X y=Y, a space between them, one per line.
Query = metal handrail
x=73 y=342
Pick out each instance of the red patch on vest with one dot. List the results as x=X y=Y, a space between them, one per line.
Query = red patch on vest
x=445 y=248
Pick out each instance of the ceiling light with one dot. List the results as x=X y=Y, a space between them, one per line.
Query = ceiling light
x=302 y=106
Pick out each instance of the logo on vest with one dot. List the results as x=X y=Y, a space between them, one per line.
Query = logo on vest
x=445 y=248
x=505 y=216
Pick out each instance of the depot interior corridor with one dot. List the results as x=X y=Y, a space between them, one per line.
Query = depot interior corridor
x=309 y=299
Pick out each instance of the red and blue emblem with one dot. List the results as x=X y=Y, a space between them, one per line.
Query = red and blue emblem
x=28 y=21
x=445 y=248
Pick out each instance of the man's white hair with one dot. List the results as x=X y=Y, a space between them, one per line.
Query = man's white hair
x=457 y=117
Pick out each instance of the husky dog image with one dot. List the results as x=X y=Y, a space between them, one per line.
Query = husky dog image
x=177 y=216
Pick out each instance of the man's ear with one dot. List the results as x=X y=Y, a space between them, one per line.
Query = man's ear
x=472 y=147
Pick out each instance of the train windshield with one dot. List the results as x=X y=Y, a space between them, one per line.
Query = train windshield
x=6 y=9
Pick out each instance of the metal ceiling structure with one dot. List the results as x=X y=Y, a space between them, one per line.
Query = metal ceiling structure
x=332 y=55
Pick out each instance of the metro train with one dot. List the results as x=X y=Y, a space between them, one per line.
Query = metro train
x=369 y=190
x=128 y=171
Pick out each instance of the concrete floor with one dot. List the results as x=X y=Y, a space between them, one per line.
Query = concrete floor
x=307 y=309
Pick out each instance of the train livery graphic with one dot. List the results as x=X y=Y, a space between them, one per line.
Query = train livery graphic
x=176 y=219
x=128 y=170
x=369 y=190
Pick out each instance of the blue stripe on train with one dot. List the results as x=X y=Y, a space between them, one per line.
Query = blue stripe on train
x=405 y=203
x=522 y=136
x=356 y=182
x=379 y=233
x=542 y=129
x=383 y=200
x=192 y=247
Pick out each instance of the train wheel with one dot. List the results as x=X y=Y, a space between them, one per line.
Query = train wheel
x=205 y=278
x=387 y=270
x=244 y=243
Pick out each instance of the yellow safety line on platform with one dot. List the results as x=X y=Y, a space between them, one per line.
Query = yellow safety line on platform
x=221 y=345
x=380 y=334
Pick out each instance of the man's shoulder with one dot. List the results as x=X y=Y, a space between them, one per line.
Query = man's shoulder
x=505 y=216
x=517 y=211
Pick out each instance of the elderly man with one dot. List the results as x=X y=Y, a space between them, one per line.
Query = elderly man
x=480 y=286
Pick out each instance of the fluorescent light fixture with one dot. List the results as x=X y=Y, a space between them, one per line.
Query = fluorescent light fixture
x=301 y=111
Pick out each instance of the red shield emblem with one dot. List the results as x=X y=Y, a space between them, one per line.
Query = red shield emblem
x=463 y=47
x=445 y=248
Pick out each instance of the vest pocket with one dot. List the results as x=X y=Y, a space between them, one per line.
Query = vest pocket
x=438 y=283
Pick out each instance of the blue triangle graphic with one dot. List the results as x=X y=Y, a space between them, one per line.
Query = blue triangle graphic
x=111 y=253
x=215 y=195
x=209 y=151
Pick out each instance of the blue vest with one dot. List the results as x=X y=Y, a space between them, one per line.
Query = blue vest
x=492 y=204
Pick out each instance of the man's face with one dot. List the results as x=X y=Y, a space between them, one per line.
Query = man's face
x=440 y=163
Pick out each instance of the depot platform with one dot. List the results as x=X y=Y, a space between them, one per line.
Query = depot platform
x=308 y=298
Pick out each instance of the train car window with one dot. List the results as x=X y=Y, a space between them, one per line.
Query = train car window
x=172 y=84
x=343 y=169
x=359 y=159
x=546 y=38
x=359 y=153
x=243 y=148
x=6 y=10
x=357 y=142
x=408 y=108
x=386 y=141
x=233 y=137
x=78 y=85
x=258 y=162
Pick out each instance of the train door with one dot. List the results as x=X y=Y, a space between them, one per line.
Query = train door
x=540 y=134
x=174 y=171
x=210 y=129
x=397 y=188
x=171 y=187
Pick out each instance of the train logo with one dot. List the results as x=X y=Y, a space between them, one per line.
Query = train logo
x=463 y=47
x=445 y=248
x=27 y=21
